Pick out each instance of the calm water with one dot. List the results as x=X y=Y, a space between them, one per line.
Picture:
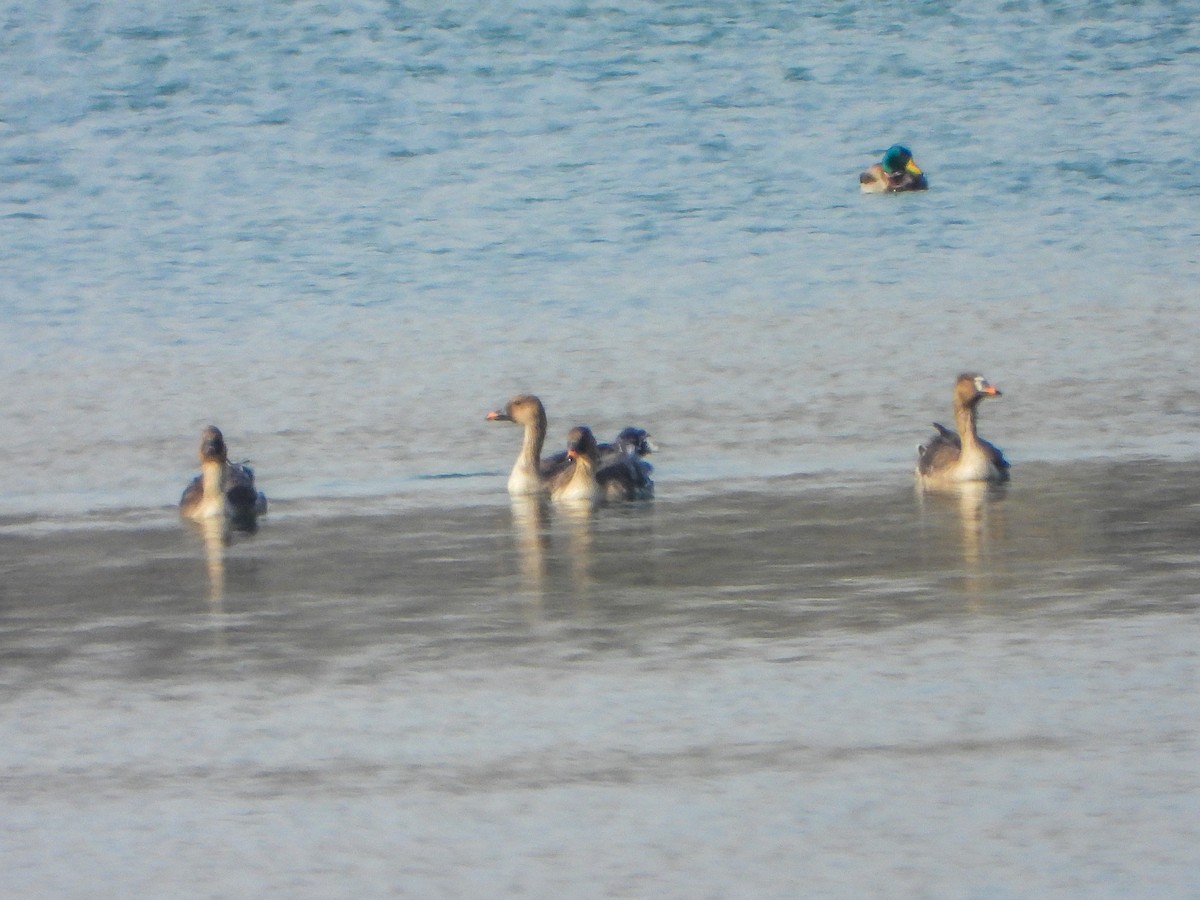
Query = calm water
x=343 y=232
x=791 y=691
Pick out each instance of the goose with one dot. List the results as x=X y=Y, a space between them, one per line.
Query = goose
x=530 y=473
x=632 y=444
x=951 y=457
x=222 y=489
x=587 y=477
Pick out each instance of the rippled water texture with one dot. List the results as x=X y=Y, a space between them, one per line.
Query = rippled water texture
x=344 y=231
x=791 y=691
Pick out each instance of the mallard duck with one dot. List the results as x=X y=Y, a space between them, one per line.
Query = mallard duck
x=222 y=488
x=897 y=171
x=951 y=457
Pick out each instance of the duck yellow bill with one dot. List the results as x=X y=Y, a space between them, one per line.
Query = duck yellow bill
x=912 y=168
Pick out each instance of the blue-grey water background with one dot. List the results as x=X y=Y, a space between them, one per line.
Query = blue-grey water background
x=344 y=231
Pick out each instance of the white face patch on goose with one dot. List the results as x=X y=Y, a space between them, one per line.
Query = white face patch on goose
x=980 y=384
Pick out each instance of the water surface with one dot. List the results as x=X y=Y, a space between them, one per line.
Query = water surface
x=834 y=690
x=344 y=232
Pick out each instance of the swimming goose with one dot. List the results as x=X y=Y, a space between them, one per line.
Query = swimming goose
x=896 y=172
x=530 y=472
x=222 y=488
x=632 y=444
x=589 y=478
x=963 y=456
x=631 y=448
x=577 y=480
x=618 y=467
x=623 y=469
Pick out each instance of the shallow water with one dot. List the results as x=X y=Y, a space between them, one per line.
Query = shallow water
x=850 y=691
x=344 y=232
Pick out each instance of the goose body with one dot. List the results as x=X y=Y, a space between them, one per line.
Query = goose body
x=585 y=470
x=530 y=473
x=576 y=481
x=952 y=457
x=222 y=489
x=625 y=472
x=630 y=447
x=588 y=477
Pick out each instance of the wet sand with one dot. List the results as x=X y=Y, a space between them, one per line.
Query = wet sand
x=791 y=690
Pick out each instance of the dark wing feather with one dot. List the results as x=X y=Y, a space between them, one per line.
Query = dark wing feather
x=907 y=181
x=554 y=465
x=996 y=455
x=192 y=494
x=240 y=493
x=948 y=433
x=939 y=452
x=611 y=454
x=627 y=479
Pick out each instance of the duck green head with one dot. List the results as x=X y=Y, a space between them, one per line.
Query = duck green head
x=899 y=159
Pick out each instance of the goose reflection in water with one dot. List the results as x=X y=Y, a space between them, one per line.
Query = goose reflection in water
x=531 y=532
x=543 y=532
x=215 y=532
x=978 y=508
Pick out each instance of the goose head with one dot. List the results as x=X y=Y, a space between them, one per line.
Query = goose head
x=524 y=409
x=972 y=387
x=212 y=446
